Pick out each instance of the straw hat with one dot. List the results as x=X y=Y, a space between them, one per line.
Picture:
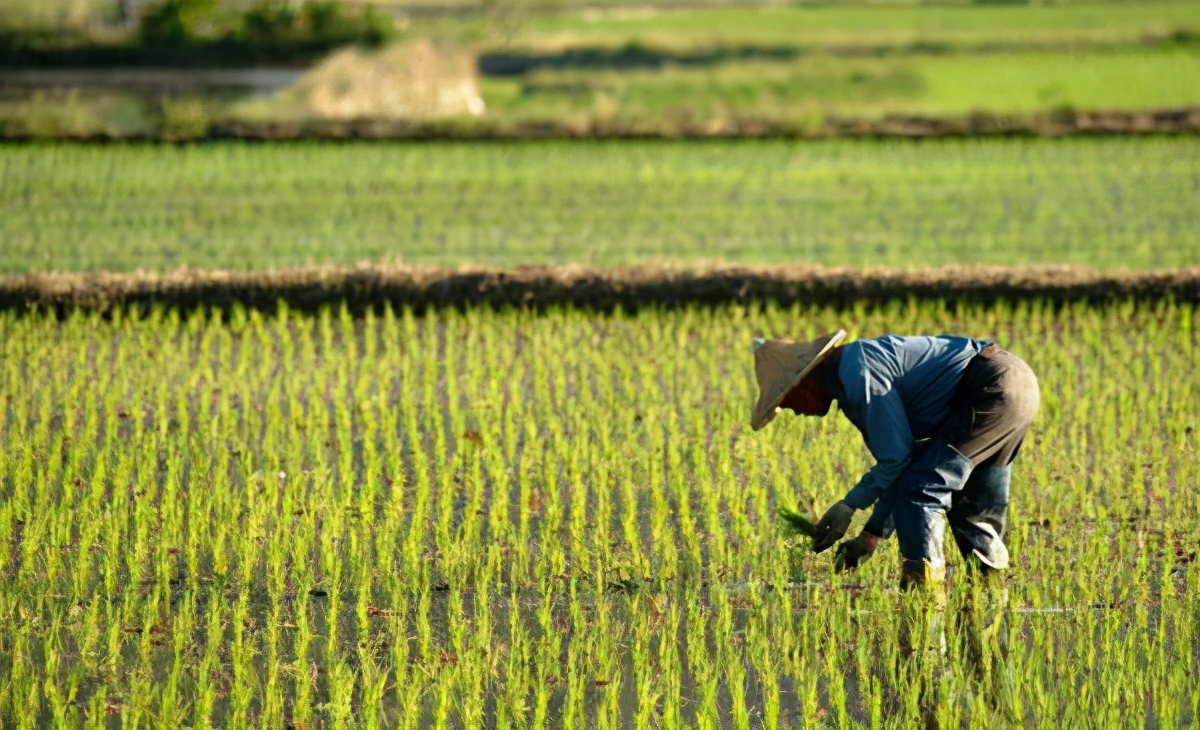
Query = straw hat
x=779 y=365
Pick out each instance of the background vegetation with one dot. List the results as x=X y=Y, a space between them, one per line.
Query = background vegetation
x=188 y=32
x=1101 y=202
x=657 y=69
x=238 y=514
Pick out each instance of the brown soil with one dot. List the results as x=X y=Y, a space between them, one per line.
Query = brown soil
x=627 y=288
x=1062 y=122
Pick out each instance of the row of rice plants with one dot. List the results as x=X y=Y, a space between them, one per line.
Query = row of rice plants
x=480 y=518
x=1115 y=202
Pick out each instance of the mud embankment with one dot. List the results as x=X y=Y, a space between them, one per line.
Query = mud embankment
x=597 y=289
x=1060 y=123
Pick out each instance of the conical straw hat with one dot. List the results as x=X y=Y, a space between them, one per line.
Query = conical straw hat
x=779 y=365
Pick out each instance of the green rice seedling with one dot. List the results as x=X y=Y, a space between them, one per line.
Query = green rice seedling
x=604 y=553
x=1117 y=202
x=796 y=524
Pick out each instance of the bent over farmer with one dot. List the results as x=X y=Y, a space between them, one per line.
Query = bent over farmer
x=944 y=418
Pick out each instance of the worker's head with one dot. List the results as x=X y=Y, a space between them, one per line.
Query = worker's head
x=809 y=397
x=785 y=372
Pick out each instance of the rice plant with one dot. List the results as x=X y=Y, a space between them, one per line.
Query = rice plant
x=480 y=518
x=1108 y=202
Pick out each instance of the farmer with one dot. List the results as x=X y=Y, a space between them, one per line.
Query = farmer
x=944 y=418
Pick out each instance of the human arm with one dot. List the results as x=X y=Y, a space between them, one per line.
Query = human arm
x=890 y=440
x=888 y=436
x=867 y=395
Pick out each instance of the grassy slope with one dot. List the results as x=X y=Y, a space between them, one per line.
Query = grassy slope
x=1114 y=202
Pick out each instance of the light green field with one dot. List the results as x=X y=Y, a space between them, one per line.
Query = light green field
x=724 y=69
x=869 y=25
x=801 y=94
x=289 y=521
x=805 y=92
x=1102 y=202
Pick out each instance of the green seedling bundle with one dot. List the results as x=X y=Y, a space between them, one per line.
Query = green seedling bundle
x=517 y=520
x=796 y=524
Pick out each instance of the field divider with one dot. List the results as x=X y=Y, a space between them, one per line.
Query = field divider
x=1062 y=122
x=372 y=287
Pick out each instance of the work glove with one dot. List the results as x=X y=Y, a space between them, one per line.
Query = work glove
x=832 y=526
x=851 y=553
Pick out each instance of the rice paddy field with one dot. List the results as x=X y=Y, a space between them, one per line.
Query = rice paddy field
x=963 y=26
x=804 y=92
x=1106 y=202
x=501 y=519
x=217 y=515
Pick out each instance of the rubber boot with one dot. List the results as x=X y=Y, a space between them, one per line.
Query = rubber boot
x=923 y=575
x=924 y=494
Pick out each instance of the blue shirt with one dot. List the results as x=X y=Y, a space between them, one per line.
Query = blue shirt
x=896 y=390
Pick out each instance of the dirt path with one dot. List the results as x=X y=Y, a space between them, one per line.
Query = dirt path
x=628 y=288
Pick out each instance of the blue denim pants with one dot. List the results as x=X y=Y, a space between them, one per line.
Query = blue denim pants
x=961 y=476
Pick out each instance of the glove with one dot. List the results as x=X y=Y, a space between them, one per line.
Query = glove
x=832 y=526
x=851 y=553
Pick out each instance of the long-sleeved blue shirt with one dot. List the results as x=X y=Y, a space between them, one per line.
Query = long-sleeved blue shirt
x=896 y=390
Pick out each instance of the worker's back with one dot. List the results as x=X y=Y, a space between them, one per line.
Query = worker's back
x=923 y=371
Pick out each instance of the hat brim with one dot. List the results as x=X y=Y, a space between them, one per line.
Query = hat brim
x=766 y=409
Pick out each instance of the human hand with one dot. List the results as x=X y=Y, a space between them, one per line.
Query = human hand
x=832 y=526
x=851 y=553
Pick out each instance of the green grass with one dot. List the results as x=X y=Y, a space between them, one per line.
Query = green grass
x=801 y=94
x=805 y=92
x=728 y=68
x=281 y=520
x=1031 y=82
x=1103 y=202
x=870 y=25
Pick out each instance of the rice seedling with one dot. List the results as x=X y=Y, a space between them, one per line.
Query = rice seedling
x=481 y=518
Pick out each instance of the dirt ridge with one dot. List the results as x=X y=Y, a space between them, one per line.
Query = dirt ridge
x=1055 y=123
x=602 y=289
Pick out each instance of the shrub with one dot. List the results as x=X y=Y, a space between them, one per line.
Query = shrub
x=180 y=21
x=321 y=24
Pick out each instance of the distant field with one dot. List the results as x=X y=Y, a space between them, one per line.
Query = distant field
x=828 y=21
x=1102 y=202
x=805 y=91
x=672 y=72
x=801 y=64
x=858 y=25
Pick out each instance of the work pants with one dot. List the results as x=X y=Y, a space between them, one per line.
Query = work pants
x=962 y=474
